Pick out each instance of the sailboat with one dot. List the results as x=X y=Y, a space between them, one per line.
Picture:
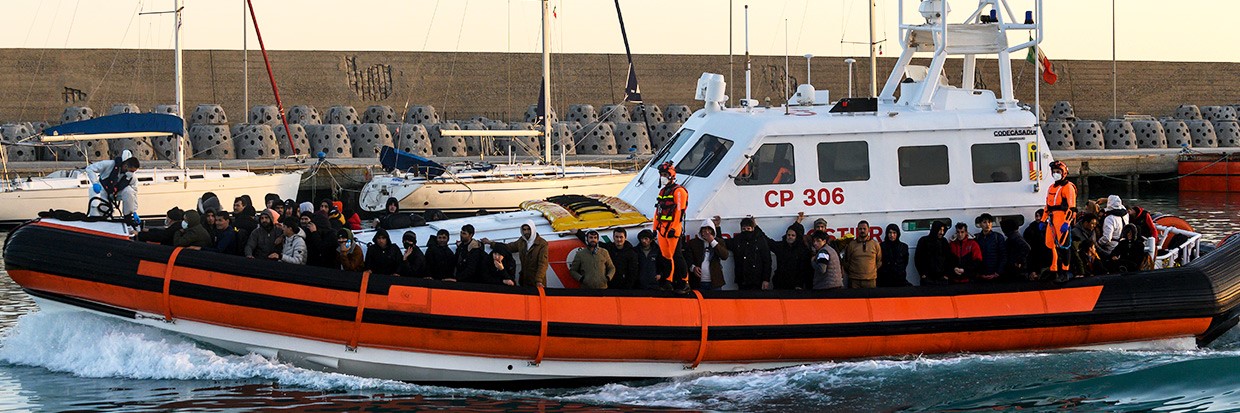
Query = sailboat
x=468 y=187
x=159 y=190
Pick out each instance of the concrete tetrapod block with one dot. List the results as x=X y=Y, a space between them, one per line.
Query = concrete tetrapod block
x=446 y=145
x=141 y=148
x=647 y=112
x=562 y=137
x=519 y=145
x=1119 y=135
x=305 y=115
x=581 y=113
x=1177 y=134
x=1149 y=134
x=424 y=115
x=1217 y=113
x=368 y=139
x=264 y=115
x=663 y=133
x=342 y=115
x=1228 y=133
x=677 y=113
x=212 y=141
x=596 y=138
x=301 y=140
x=412 y=138
x=475 y=145
x=91 y=150
x=493 y=124
x=531 y=114
x=632 y=138
x=13 y=132
x=1088 y=134
x=1058 y=134
x=165 y=109
x=209 y=114
x=379 y=114
x=330 y=139
x=76 y=113
x=614 y=114
x=166 y=147
x=1202 y=132
x=1188 y=112
x=256 y=142
x=119 y=108
x=1062 y=111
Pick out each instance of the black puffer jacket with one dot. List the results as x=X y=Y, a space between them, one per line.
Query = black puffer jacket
x=894 y=271
x=753 y=258
x=792 y=260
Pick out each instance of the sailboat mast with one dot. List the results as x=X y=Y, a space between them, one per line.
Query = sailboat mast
x=546 y=81
x=177 y=74
x=873 y=57
x=245 y=57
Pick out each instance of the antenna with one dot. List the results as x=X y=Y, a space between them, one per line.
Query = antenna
x=748 y=63
x=850 y=62
x=809 y=78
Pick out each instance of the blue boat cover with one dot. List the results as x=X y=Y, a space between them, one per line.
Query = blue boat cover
x=393 y=159
x=122 y=123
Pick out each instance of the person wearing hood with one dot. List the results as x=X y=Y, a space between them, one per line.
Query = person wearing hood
x=244 y=216
x=192 y=233
x=1039 y=255
x=1017 y=248
x=934 y=260
x=533 y=251
x=265 y=239
x=320 y=241
x=1144 y=221
x=112 y=180
x=349 y=252
x=862 y=258
x=352 y=220
x=1060 y=212
x=894 y=271
x=792 y=258
x=967 y=253
x=1115 y=219
x=383 y=257
x=271 y=201
x=469 y=256
x=413 y=260
x=1130 y=253
x=650 y=261
x=392 y=218
x=752 y=257
x=209 y=202
x=294 y=245
x=994 y=247
x=592 y=265
x=305 y=207
x=500 y=269
x=440 y=260
x=706 y=255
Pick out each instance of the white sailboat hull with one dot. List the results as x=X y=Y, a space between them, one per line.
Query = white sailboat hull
x=158 y=190
x=489 y=194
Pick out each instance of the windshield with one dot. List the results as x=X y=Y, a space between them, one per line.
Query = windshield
x=671 y=146
x=705 y=156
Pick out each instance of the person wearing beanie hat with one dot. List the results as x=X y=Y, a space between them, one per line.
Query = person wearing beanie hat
x=163 y=236
x=414 y=260
x=348 y=252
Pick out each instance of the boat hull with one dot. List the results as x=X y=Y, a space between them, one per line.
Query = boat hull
x=430 y=331
x=154 y=198
x=494 y=196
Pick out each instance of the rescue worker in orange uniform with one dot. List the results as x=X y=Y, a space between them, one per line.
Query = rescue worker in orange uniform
x=669 y=226
x=1060 y=212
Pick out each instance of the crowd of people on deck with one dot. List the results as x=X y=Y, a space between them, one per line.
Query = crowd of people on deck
x=1102 y=237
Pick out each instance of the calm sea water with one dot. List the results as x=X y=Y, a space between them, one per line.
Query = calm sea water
x=89 y=363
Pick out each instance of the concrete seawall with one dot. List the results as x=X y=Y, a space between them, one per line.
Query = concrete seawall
x=36 y=84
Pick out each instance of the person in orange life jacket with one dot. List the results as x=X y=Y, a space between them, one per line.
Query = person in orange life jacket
x=112 y=180
x=1060 y=212
x=967 y=253
x=669 y=217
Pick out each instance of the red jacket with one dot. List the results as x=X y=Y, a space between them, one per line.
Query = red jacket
x=968 y=256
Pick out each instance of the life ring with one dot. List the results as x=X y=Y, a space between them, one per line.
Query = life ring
x=1174 y=222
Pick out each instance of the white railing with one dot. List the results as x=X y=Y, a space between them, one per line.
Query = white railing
x=1177 y=255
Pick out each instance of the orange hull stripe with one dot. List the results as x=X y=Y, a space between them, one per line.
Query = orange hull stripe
x=80 y=230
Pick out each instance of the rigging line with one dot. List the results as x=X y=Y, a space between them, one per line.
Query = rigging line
x=455 y=52
x=72 y=18
x=801 y=30
x=132 y=17
x=39 y=67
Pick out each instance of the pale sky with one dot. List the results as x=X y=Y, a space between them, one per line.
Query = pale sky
x=1184 y=30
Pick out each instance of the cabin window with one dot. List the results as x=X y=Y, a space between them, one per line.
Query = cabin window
x=996 y=162
x=924 y=224
x=704 y=156
x=1020 y=220
x=671 y=147
x=923 y=165
x=771 y=165
x=843 y=161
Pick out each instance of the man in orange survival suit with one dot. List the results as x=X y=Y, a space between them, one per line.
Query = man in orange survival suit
x=1060 y=212
x=669 y=217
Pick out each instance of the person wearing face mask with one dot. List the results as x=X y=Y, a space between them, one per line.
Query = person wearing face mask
x=112 y=181
x=192 y=233
x=1060 y=212
x=414 y=264
x=348 y=252
x=163 y=236
x=265 y=239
